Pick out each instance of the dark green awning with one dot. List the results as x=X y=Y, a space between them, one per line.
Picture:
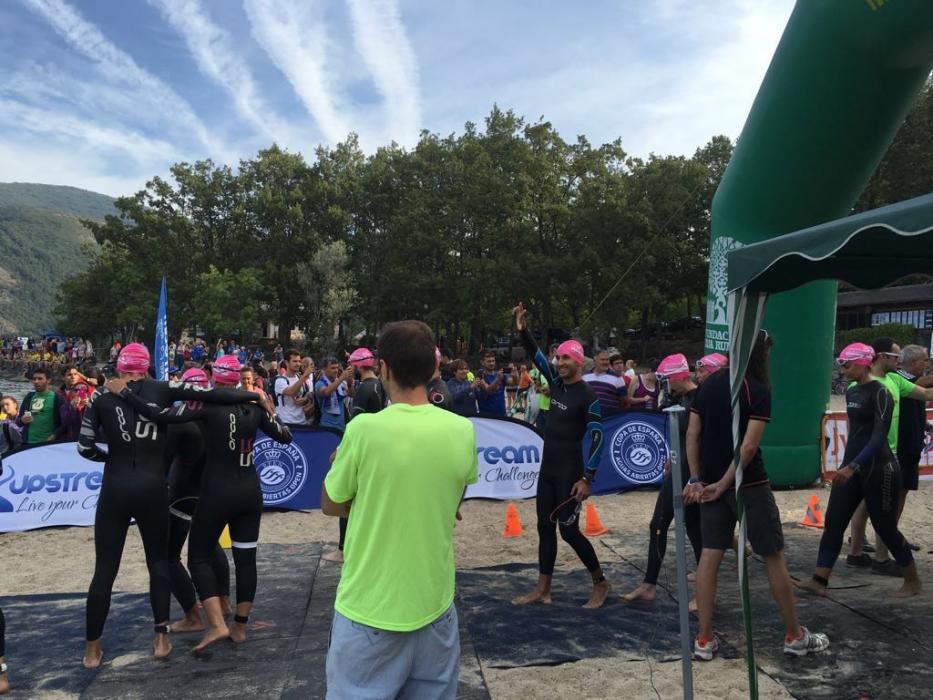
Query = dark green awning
x=867 y=250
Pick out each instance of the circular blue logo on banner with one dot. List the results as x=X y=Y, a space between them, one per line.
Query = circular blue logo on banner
x=282 y=470
x=639 y=452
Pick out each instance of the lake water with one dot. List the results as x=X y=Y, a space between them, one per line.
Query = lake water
x=15 y=389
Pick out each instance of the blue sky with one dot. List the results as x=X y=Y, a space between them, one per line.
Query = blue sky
x=104 y=94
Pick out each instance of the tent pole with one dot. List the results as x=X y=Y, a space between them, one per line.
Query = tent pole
x=675 y=415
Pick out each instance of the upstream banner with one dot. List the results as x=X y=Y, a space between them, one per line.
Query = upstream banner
x=52 y=485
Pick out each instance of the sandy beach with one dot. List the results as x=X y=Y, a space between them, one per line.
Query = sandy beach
x=61 y=560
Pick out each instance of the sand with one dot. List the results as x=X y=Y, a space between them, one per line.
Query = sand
x=60 y=560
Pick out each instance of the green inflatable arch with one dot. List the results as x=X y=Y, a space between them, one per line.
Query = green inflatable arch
x=841 y=81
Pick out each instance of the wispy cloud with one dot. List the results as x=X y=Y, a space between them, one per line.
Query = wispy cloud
x=119 y=67
x=380 y=38
x=138 y=147
x=217 y=57
x=295 y=40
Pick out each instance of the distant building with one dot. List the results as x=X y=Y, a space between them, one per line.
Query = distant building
x=911 y=304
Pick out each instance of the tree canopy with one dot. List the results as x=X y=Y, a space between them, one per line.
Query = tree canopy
x=453 y=231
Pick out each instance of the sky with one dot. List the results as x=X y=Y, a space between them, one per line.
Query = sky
x=105 y=94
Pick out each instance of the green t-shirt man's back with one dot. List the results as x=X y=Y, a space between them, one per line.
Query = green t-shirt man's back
x=42 y=407
x=404 y=469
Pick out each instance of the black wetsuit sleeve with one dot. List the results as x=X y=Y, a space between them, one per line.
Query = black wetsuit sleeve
x=878 y=442
x=534 y=352
x=594 y=424
x=164 y=416
x=178 y=391
x=87 y=437
x=275 y=429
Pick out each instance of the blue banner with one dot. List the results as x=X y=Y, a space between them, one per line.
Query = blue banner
x=291 y=475
x=637 y=448
x=161 y=338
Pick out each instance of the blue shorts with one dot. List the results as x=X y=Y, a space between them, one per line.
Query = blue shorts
x=365 y=663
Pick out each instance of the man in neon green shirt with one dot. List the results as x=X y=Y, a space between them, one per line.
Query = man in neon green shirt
x=404 y=471
x=887 y=355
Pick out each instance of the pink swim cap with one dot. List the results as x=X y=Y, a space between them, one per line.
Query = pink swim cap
x=133 y=359
x=195 y=375
x=857 y=354
x=713 y=361
x=674 y=367
x=362 y=357
x=572 y=349
x=226 y=370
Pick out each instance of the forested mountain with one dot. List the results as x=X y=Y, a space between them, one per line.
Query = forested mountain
x=41 y=240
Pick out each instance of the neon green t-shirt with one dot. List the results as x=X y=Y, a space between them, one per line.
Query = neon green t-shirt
x=899 y=388
x=544 y=401
x=404 y=469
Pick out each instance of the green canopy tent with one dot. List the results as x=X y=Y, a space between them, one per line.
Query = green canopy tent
x=867 y=250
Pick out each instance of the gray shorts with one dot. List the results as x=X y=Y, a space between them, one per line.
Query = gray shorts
x=365 y=663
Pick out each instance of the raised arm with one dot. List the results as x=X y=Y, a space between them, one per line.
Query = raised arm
x=531 y=347
x=183 y=413
x=87 y=437
x=180 y=391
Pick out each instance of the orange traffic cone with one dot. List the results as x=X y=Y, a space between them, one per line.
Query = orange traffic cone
x=594 y=527
x=513 y=525
x=814 y=514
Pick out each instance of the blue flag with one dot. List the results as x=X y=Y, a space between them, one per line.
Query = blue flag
x=161 y=339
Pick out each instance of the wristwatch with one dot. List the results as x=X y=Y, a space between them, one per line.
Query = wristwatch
x=3 y=668
x=693 y=480
x=588 y=477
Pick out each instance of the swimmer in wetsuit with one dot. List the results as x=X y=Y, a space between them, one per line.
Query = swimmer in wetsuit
x=870 y=472
x=565 y=481
x=133 y=487
x=186 y=453
x=230 y=493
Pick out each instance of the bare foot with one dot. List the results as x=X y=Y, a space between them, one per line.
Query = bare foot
x=910 y=588
x=214 y=634
x=336 y=557
x=598 y=596
x=161 y=647
x=645 y=592
x=93 y=655
x=238 y=632
x=692 y=606
x=191 y=623
x=692 y=577
x=811 y=586
x=536 y=596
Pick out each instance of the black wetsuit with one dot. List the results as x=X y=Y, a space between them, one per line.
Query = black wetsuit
x=664 y=507
x=439 y=395
x=230 y=489
x=574 y=411
x=186 y=446
x=134 y=487
x=369 y=397
x=877 y=477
